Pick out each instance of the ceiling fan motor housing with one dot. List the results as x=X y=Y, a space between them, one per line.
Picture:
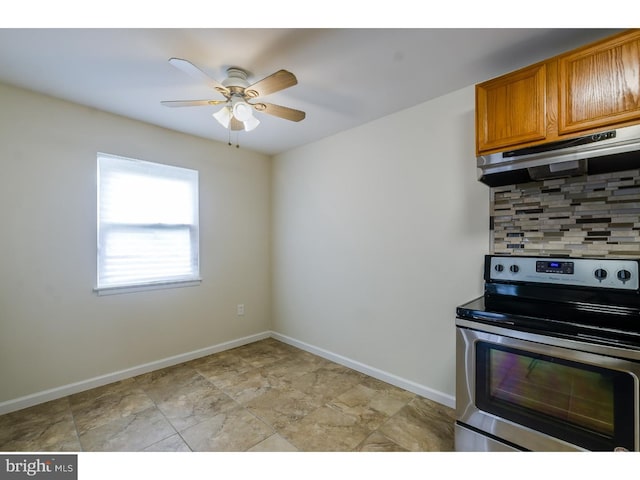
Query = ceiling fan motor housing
x=236 y=77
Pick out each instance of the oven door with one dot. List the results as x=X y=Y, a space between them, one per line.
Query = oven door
x=541 y=393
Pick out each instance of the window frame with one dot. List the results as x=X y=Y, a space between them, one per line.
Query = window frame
x=103 y=229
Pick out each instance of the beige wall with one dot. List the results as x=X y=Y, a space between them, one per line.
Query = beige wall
x=379 y=233
x=357 y=247
x=54 y=331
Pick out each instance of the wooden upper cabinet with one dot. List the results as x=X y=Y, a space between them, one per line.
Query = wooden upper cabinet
x=587 y=90
x=599 y=86
x=511 y=110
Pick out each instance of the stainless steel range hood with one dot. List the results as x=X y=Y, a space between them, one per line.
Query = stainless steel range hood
x=610 y=151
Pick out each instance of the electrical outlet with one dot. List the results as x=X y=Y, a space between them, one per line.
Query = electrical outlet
x=240 y=309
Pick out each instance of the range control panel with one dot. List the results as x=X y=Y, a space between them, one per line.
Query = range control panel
x=584 y=272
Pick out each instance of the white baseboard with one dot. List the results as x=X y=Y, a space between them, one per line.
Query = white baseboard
x=400 y=382
x=59 y=392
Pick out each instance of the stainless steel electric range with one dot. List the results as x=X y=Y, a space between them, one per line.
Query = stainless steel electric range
x=548 y=359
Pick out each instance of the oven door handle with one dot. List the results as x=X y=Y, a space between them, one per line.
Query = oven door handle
x=582 y=346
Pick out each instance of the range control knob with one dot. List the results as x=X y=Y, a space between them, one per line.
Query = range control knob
x=499 y=267
x=624 y=275
x=514 y=268
x=600 y=274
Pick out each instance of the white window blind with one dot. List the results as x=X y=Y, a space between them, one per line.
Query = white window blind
x=147 y=224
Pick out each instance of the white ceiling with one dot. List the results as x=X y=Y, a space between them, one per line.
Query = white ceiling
x=346 y=77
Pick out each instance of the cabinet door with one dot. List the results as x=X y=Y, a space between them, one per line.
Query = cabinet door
x=510 y=110
x=599 y=86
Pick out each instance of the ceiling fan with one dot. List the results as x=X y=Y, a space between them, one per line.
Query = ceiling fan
x=240 y=96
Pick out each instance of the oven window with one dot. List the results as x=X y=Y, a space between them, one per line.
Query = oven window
x=577 y=402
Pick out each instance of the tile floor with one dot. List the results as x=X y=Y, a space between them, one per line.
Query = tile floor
x=265 y=396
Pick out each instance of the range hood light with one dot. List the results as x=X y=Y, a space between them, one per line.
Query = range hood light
x=562 y=166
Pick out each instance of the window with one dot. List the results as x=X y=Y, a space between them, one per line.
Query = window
x=147 y=225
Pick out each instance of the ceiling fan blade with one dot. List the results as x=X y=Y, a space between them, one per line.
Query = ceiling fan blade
x=280 y=111
x=236 y=124
x=190 y=69
x=273 y=83
x=191 y=103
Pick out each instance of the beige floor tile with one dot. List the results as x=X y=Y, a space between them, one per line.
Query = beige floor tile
x=193 y=403
x=296 y=364
x=280 y=407
x=377 y=442
x=115 y=388
x=421 y=426
x=245 y=386
x=45 y=427
x=107 y=405
x=326 y=383
x=274 y=443
x=133 y=433
x=162 y=383
x=387 y=392
x=232 y=431
x=174 y=443
x=325 y=429
x=222 y=367
x=261 y=354
x=371 y=408
x=35 y=416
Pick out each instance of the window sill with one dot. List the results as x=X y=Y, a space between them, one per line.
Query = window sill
x=100 y=291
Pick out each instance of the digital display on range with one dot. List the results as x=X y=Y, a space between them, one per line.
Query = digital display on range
x=552 y=266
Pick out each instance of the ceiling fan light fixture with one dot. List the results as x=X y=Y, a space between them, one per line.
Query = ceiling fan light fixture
x=251 y=123
x=223 y=116
x=242 y=111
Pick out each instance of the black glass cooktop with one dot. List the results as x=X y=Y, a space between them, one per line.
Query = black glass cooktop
x=609 y=318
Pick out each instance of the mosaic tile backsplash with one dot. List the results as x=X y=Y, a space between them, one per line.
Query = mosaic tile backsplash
x=588 y=216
